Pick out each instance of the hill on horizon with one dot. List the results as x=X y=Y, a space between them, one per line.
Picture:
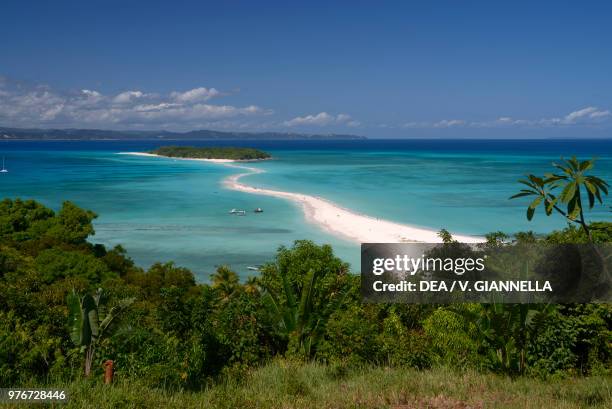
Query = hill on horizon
x=201 y=134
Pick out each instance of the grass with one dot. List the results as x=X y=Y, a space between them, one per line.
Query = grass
x=284 y=384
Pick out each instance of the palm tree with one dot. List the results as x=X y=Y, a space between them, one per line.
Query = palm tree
x=572 y=181
x=225 y=280
x=251 y=286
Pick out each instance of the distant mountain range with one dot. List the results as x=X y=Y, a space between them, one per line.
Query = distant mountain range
x=202 y=134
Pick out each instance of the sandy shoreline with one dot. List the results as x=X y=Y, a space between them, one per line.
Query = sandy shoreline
x=168 y=157
x=331 y=217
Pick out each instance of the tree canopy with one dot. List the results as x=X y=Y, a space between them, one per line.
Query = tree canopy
x=211 y=153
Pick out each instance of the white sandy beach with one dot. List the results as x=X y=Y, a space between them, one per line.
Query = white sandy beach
x=333 y=218
x=196 y=159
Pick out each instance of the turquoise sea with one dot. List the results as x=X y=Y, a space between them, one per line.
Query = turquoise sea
x=162 y=209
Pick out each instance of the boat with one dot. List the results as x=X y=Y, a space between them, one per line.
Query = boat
x=233 y=211
x=3 y=170
x=238 y=212
x=258 y=210
x=254 y=268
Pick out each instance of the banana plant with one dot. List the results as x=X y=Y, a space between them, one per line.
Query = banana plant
x=89 y=322
x=301 y=323
x=505 y=329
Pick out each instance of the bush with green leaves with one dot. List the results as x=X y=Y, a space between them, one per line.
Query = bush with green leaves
x=28 y=351
x=401 y=346
x=351 y=336
x=54 y=264
x=453 y=339
x=552 y=346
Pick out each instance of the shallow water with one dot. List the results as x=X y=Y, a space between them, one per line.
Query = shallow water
x=162 y=209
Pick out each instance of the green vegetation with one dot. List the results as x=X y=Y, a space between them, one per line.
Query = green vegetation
x=572 y=180
x=297 y=335
x=86 y=328
x=211 y=153
x=293 y=384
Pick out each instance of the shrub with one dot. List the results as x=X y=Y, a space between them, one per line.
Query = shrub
x=453 y=339
x=55 y=264
x=399 y=346
x=27 y=352
x=551 y=346
x=350 y=336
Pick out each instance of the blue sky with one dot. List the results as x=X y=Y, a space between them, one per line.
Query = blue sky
x=381 y=69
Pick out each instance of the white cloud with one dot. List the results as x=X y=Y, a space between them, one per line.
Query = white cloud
x=128 y=96
x=322 y=119
x=254 y=109
x=156 y=107
x=343 y=118
x=52 y=112
x=36 y=105
x=194 y=95
x=573 y=116
x=600 y=114
x=412 y=124
x=584 y=116
x=25 y=105
x=449 y=123
x=91 y=94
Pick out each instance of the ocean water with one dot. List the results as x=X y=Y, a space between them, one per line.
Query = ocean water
x=163 y=209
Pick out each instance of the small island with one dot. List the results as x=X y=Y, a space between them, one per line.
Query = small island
x=224 y=153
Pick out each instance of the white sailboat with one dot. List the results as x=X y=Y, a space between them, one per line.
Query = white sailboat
x=3 y=170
